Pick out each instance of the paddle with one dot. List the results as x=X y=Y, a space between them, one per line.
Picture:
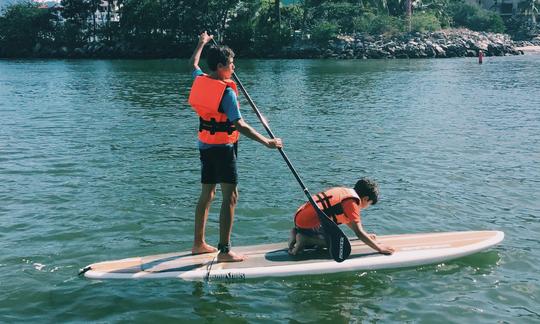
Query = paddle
x=338 y=243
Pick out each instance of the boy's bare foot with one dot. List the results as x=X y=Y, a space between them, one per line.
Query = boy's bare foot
x=204 y=248
x=230 y=257
x=292 y=239
x=300 y=242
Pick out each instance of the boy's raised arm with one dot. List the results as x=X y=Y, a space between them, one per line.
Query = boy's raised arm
x=196 y=57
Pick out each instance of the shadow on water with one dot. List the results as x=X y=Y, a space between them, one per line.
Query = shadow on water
x=216 y=303
x=332 y=297
x=338 y=296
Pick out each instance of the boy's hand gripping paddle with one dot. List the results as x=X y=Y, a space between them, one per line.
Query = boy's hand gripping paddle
x=338 y=243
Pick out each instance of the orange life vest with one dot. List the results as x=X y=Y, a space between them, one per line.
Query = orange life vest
x=330 y=203
x=205 y=98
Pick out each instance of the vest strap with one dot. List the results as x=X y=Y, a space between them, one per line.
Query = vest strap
x=224 y=248
x=213 y=126
x=328 y=209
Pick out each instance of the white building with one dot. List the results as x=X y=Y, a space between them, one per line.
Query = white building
x=106 y=11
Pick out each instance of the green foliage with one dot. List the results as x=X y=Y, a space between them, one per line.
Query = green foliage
x=339 y=14
x=384 y=24
x=394 y=7
x=240 y=33
x=22 y=26
x=438 y=8
x=260 y=34
x=76 y=11
x=69 y=34
x=377 y=24
x=322 y=32
x=389 y=25
x=521 y=28
x=292 y=16
x=424 y=22
x=75 y=32
x=140 y=18
x=476 y=18
x=362 y=23
x=215 y=13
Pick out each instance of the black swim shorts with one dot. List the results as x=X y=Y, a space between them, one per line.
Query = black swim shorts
x=218 y=164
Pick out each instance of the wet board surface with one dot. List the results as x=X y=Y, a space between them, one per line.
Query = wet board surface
x=272 y=260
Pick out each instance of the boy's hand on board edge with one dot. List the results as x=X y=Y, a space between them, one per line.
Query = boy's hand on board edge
x=386 y=249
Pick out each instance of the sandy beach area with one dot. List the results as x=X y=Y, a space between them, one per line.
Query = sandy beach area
x=529 y=49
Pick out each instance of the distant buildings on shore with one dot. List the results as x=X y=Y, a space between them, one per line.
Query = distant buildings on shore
x=106 y=11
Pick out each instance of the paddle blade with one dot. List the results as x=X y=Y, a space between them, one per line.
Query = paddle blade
x=338 y=243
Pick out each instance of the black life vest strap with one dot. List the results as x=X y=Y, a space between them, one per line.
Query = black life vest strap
x=213 y=126
x=329 y=210
x=220 y=107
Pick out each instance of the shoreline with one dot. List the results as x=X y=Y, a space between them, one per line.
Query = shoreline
x=447 y=43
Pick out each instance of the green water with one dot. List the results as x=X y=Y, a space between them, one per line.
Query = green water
x=98 y=161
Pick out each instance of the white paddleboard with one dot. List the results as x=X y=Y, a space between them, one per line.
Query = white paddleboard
x=272 y=260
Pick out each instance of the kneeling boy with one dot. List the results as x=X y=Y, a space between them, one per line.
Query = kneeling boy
x=343 y=206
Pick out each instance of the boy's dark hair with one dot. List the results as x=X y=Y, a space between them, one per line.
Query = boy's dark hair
x=367 y=188
x=218 y=54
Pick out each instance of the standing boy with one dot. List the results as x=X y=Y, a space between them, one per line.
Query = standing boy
x=343 y=206
x=214 y=98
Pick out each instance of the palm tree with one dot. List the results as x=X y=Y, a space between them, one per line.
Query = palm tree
x=530 y=8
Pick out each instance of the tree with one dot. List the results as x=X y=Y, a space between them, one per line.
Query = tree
x=240 y=33
x=140 y=20
x=476 y=18
x=76 y=13
x=93 y=7
x=111 y=24
x=22 y=26
x=218 y=13
x=531 y=9
x=277 y=13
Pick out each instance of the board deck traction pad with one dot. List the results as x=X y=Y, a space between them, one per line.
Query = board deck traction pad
x=272 y=260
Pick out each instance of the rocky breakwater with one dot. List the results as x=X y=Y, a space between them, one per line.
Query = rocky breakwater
x=92 y=50
x=440 y=44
